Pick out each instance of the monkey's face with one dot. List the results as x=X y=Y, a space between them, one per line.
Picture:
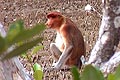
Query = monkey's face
x=53 y=22
x=50 y=23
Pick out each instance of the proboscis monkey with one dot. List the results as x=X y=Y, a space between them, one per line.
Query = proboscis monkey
x=69 y=44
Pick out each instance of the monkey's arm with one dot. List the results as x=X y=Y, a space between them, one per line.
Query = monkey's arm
x=67 y=50
x=63 y=58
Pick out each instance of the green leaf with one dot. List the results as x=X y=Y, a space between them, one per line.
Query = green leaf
x=24 y=55
x=36 y=49
x=20 y=49
x=91 y=73
x=75 y=73
x=36 y=66
x=117 y=73
x=38 y=72
x=14 y=30
x=27 y=34
x=111 y=77
x=2 y=45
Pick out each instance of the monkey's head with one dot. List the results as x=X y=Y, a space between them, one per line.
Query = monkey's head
x=54 y=20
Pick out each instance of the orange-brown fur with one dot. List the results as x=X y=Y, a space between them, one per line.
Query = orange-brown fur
x=70 y=35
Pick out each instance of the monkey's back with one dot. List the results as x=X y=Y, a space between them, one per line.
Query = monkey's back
x=78 y=44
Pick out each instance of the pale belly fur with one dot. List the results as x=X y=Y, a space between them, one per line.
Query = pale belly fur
x=59 y=42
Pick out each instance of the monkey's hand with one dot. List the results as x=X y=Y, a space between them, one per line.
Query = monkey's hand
x=56 y=65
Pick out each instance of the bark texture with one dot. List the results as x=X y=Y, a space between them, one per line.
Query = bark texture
x=104 y=52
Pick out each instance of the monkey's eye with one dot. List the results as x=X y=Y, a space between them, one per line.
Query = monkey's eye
x=53 y=16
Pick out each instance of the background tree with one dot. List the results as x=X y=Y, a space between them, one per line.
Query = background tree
x=104 y=53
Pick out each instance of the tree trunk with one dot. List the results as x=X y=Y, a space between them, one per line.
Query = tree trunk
x=104 y=52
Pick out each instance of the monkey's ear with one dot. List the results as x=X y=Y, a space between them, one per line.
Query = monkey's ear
x=53 y=14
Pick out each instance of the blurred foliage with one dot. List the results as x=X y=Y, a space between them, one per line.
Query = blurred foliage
x=75 y=73
x=91 y=73
x=17 y=34
x=116 y=75
x=18 y=40
x=29 y=55
x=38 y=72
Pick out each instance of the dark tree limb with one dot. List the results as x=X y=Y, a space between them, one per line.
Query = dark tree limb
x=104 y=52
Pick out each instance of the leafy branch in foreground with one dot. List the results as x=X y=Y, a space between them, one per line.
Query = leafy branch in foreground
x=92 y=73
x=17 y=34
x=36 y=68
